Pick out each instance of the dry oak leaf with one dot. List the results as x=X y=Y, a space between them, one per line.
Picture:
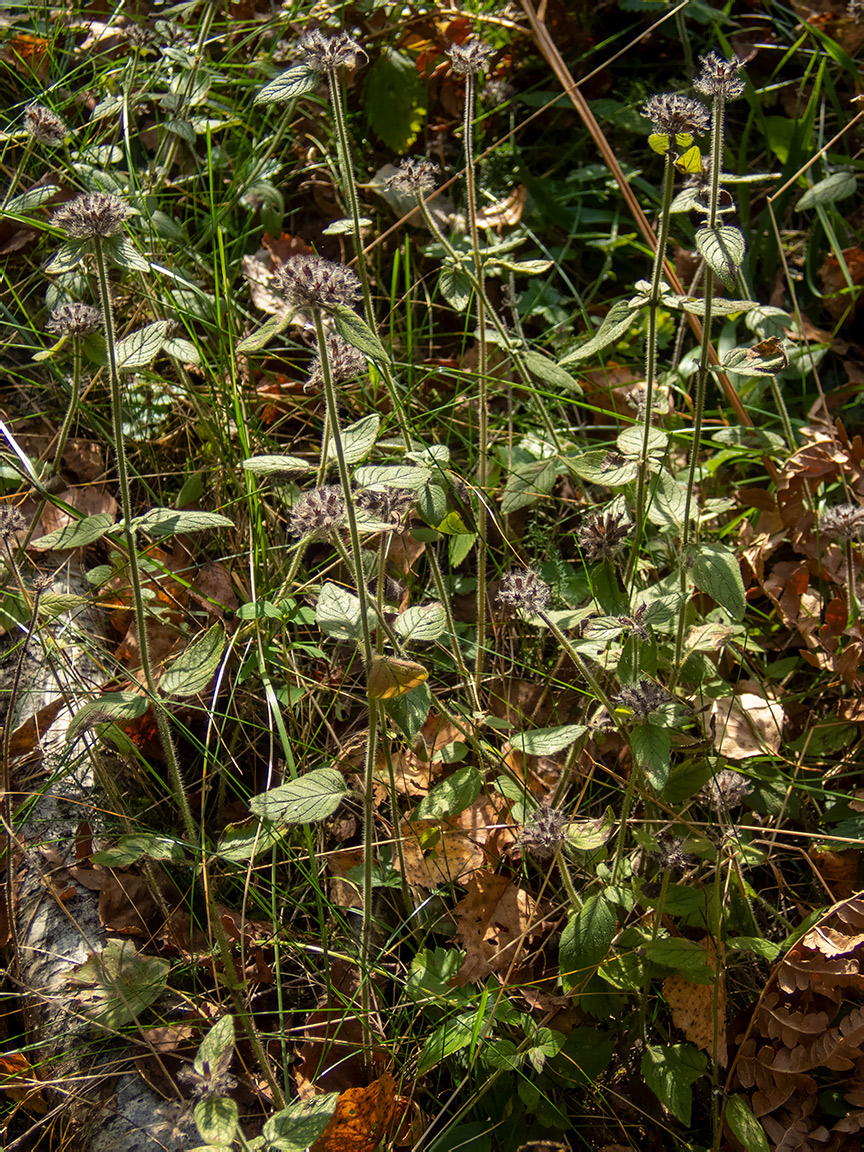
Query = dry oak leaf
x=362 y=1118
x=747 y=725
x=492 y=919
x=696 y=1007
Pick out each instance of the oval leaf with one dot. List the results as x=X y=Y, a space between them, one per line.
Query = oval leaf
x=451 y=796
x=111 y=707
x=550 y=372
x=338 y=613
x=193 y=669
x=276 y=465
x=216 y=1120
x=617 y=321
x=75 y=535
x=837 y=186
x=168 y=521
x=421 y=622
x=548 y=741
x=744 y=1125
x=314 y=796
x=716 y=572
x=723 y=248
x=392 y=476
x=289 y=86
x=586 y=940
x=357 y=332
x=358 y=439
x=139 y=348
x=298 y=1126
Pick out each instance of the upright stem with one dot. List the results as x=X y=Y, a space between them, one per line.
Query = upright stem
x=717 y=124
x=72 y=410
x=483 y=397
x=360 y=582
x=162 y=720
x=347 y=168
x=651 y=358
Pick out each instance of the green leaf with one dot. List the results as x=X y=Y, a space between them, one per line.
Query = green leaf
x=451 y=796
x=75 y=535
x=181 y=128
x=392 y=476
x=130 y=848
x=550 y=372
x=193 y=669
x=290 y=85
x=685 y=957
x=723 y=248
x=216 y=1119
x=139 y=348
x=766 y=359
x=599 y=467
x=262 y=336
x=27 y=201
x=459 y=548
x=123 y=252
x=276 y=465
x=110 y=707
x=617 y=321
x=182 y=350
x=837 y=186
x=652 y=746
x=358 y=439
x=716 y=572
x=409 y=712
x=338 y=613
x=170 y=522
x=299 y=1125
x=667 y=501
x=767 y=949
x=119 y=983
x=631 y=440
x=586 y=940
x=451 y=1036
x=757 y=440
x=65 y=259
x=587 y=835
x=548 y=741
x=312 y=797
x=345 y=226
x=247 y=840
x=455 y=286
x=719 y=306
x=528 y=482
x=357 y=332
x=745 y=1127
x=216 y=1049
x=670 y=1072
x=421 y=622
x=395 y=100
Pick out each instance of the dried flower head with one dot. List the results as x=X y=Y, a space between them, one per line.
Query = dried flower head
x=44 y=125
x=845 y=522
x=323 y=53
x=74 y=320
x=316 y=512
x=642 y=698
x=416 y=176
x=344 y=359
x=389 y=505
x=671 y=114
x=855 y=10
x=602 y=536
x=726 y=789
x=524 y=589
x=139 y=36
x=497 y=92
x=544 y=832
x=719 y=77
x=312 y=282
x=11 y=522
x=470 y=58
x=96 y=214
x=670 y=854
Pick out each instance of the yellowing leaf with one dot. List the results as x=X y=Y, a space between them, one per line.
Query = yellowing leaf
x=683 y=139
x=659 y=142
x=690 y=161
x=390 y=676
